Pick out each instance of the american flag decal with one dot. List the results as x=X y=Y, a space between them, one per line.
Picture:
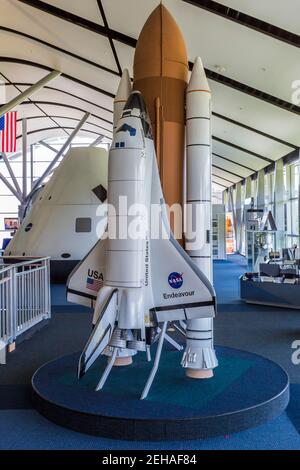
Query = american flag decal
x=8 y=132
x=94 y=284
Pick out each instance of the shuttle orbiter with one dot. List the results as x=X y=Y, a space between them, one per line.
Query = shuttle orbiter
x=149 y=279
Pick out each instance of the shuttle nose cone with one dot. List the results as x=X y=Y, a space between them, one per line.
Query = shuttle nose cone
x=198 y=80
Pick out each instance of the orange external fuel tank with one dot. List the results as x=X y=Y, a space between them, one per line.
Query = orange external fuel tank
x=161 y=75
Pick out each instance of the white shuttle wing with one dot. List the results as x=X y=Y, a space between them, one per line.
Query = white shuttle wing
x=180 y=290
x=87 y=277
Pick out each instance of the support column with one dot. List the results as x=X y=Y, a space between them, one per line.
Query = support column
x=278 y=192
x=299 y=204
x=225 y=199
x=31 y=165
x=260 y=192
x=279 y=201
x=248 y=190
x=238 y=213
x=231 y=207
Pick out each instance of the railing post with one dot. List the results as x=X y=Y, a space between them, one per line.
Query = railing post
x=25 y=298
x=47 y=294
x=13 y=304
x=49 y=286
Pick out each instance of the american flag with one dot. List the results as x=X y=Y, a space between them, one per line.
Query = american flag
x=8 y=132
x=94 y=284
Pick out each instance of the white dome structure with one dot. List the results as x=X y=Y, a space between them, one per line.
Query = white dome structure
x=62 y=222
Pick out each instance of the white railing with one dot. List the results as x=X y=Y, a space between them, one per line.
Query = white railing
x=24 y=297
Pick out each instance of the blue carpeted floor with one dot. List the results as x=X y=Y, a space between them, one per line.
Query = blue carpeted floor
x=267 y=331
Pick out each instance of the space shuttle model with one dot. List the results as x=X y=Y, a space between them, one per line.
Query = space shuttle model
x=148 y=277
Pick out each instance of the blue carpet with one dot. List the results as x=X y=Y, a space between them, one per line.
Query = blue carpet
x=266 y=331
x=59 y=301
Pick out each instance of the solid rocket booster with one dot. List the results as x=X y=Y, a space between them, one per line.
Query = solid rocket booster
x=161 y=75
x=199 y=357
x=121 y=97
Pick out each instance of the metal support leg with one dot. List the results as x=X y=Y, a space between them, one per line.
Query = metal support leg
x=148 y=351
x=156 y=362
x=107 y=370
x=173 y=343
x=180 y=329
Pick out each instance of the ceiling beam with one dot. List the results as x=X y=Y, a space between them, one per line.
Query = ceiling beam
x=14 y=60
x=78 y=20
x=59 y=49
x=228 y=171
x=254 y=92
x=24 y=95
x=50 y=103
x=30 y=101
x=65 y=93
x=249 y=21
x=217 y=178
x=221 y=185
x=236 y=163
x=61 y=117
x=131 y=42
x=252 y=129
x=242 y=149
x=68 y=106
x=218 y=115
x=222 y=178
x=109 y=35
x=44 y=129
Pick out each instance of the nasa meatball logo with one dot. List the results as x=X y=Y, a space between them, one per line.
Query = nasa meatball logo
x=175 y=280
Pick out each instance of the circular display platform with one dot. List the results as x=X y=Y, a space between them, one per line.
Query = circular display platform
x=246 y=391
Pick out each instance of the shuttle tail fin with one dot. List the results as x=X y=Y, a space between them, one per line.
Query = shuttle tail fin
x=87 y=277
